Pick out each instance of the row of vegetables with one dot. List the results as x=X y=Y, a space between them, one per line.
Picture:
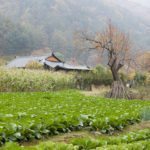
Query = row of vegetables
x=27 y=116
x=139 y=140
x=130 y=139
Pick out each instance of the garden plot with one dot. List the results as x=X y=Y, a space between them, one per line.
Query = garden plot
x=28 y=116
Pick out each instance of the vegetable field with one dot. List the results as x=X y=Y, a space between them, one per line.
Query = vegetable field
x=27 y=116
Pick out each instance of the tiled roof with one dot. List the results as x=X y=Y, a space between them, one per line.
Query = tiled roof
x=60 y=65
x=53 y=64
x=21 y=62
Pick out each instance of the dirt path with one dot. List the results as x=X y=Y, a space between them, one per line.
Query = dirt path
x=97 y=91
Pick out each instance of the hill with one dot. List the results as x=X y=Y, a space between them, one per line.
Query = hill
x=33 y=24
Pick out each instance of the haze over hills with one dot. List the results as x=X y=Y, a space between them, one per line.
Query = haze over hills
x=145 y=3
x=34 y=24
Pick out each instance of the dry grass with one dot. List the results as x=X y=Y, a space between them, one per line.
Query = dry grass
x=138 y=126
x=24 y=80
x=141 y=92
x=97 y=91
x=2 y=61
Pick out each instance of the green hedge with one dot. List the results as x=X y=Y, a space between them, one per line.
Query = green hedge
x=97 y=76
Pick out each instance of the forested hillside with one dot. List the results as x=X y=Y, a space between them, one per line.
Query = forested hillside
x=30 y=24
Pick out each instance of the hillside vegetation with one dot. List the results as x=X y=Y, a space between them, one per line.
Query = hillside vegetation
x=33 y=24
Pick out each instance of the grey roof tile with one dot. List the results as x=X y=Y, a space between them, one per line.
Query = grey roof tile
x=21 y=62
x=65 y=66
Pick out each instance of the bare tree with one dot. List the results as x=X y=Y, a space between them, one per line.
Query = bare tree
x=116 y=45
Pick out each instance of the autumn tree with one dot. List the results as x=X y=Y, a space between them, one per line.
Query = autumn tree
x=116 y=45
x=143 y=60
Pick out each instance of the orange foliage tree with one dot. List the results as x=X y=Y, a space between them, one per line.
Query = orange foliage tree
x=116 y=45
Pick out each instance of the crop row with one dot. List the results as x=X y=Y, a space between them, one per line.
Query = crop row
x=140 y=145
x=129 y=138
x=132 y=141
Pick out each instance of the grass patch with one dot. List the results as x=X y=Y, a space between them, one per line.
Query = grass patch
x=141 y=92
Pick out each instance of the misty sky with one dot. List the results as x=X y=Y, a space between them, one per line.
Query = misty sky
x=143 y=2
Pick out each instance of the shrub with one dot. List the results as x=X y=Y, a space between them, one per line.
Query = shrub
x=140 y=78
x=123 y=77
x=98 y=76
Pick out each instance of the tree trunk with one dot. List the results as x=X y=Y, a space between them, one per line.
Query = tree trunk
x=118 y=89
x=115 y=74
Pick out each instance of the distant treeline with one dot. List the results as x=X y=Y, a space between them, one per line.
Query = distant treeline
x=16 y=38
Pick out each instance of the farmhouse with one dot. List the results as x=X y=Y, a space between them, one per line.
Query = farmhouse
x=51 y=62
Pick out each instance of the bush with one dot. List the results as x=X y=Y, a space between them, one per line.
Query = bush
x=102 y=76
x=98 y=76
x=123 y=77
x=140 y=78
